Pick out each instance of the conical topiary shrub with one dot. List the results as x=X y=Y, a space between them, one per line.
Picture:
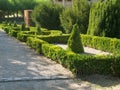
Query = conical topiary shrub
x=23 y=26
x=74 y=41
x=15 y=24
x=38 y=30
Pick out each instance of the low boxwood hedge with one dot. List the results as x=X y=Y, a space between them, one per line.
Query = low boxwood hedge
x=101 y=43
x=6 y=29
x=23 y=37
x=35 y=43
x=77 y=63
x=55 y=38
x=13 y=33
x=81 y=63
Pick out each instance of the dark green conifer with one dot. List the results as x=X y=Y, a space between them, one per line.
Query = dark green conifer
x=104 y=19
x=23 y=26
x=38 y=29
x=74 y=42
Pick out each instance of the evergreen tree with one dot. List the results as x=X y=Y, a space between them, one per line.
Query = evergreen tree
x=81 y=9
x=23 y=26
x=79 y=13
x=74 y=41
x=104 y=19
x=39 y=29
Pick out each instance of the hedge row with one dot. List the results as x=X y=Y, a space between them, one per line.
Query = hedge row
x=46 y=32
x=81 y=63
x=101 y=43
x=23 y=37
x=77 y=63
x=55 y=38
x=104 y=18
x=35 y=44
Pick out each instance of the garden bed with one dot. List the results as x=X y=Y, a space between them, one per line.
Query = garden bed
x=79 y=64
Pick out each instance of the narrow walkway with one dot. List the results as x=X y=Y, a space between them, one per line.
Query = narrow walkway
x=18 y=60
x=21 y=67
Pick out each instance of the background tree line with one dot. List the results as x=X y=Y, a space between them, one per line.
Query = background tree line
x=15 y=7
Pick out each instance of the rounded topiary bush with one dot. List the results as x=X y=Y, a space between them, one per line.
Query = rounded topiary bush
x=68 y=19
x=47 y=15
x=74 y=41
x=79 y=13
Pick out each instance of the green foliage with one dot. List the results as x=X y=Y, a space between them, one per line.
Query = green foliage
x=78 y=63
x=13 y=33
x=47 y=15
x=81 y=9
x=104 y=19
x=54 y=52
x=10 y=7
x=68 y=19
x=23 y=37
x=9 y=23
x=23 y=27
x=55 y=32
x=27 y=28
x=38 y=29
x=79 y=14
x=55 y=38
x=4 y=23
x=81 y=64
x=35 y=44
x=15 y=24
x=6 y=29
x=102 y=43
x=74 y=41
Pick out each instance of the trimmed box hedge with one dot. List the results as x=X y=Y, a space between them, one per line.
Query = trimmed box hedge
x=78 y=63
x=35 y=43
x=101 y=43
x=13 y=33
x=23 y=37
x=81 y=63
x=55 y=38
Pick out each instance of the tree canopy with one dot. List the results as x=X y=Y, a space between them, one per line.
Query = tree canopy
x=8 y=7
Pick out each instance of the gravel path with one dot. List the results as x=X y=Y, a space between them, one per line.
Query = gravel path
x=22 y=69
x=18 y=60
x=88 y=50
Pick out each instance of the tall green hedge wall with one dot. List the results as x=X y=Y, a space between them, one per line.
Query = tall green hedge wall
x=105 y=19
